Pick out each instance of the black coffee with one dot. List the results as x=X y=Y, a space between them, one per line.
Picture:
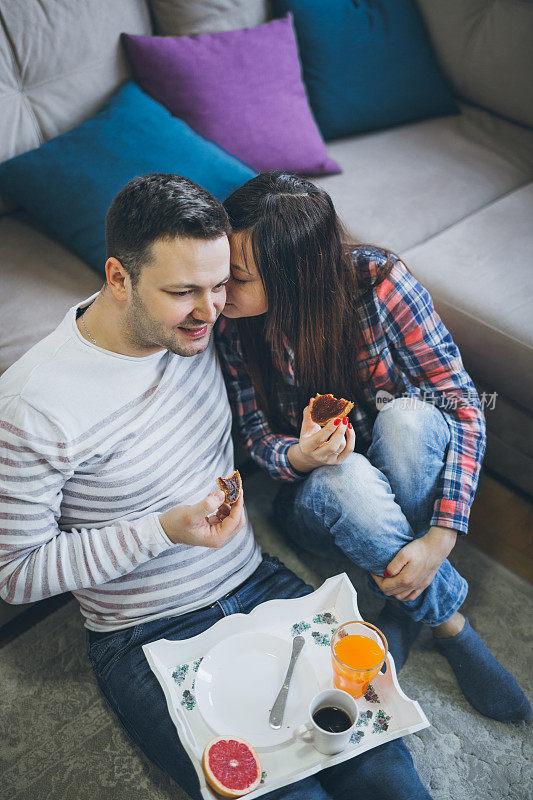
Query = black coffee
x=332 y=719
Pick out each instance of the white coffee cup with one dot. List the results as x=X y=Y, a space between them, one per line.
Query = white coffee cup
x=325 y=741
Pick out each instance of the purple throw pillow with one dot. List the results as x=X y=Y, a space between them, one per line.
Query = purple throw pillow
x=241 y=89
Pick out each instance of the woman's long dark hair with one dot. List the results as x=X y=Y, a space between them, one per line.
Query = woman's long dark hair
x=304 y=258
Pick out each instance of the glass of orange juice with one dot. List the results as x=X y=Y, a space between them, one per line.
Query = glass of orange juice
x=358 y=650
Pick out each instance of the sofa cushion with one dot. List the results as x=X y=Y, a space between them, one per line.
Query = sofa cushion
x=366 y=65
x=69 y=182
x=39 y=281
x=59 y=61
x=485 y=48
x=183 y=18
x=479 y=273
x=258 y=112
x=402 y=186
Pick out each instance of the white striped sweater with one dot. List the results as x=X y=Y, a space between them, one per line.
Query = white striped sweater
x=94 y=446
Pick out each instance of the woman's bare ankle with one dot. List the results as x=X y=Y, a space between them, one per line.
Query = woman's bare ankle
x=450 y=628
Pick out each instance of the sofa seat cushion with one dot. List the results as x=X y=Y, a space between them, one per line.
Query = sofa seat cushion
x=39 y=281
x=401 y=186
x=479 y=273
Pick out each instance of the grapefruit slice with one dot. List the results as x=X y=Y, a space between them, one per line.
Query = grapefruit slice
x=231 y=766
x=325 y=407
x=231 y=487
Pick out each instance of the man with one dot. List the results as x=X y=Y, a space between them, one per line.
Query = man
x=114 y=429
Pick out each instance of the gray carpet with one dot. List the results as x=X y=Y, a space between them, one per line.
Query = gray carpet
x=61 y=742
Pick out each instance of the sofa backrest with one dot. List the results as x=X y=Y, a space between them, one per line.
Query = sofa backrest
x=186 y=18
x=485 y=48
x=60 y=60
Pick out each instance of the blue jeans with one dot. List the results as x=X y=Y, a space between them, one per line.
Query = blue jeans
x=370 y=506
x=136 y=697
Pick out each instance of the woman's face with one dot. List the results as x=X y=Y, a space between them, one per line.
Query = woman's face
x=245 y=295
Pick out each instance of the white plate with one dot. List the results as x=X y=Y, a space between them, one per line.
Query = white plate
x=239 y=679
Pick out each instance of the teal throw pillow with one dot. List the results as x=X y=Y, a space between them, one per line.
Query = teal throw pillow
x=68 y=183
x=366 y=64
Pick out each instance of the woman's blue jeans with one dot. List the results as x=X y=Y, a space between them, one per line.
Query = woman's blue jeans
x=370 y=506
x=135 y=695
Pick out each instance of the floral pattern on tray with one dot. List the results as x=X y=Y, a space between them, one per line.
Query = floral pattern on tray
x=317 y=632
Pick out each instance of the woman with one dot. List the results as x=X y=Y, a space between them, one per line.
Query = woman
x=309 y=311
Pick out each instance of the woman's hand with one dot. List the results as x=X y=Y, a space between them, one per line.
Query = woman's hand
x=318 y=446
x=413 y=568
x=209 y=523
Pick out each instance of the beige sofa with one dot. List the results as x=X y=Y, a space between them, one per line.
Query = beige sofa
x=453 y=196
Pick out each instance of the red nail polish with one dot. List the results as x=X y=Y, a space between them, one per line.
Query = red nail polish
x=336 y=422
x=386 y=574
x=350 y=425
x=345 y=420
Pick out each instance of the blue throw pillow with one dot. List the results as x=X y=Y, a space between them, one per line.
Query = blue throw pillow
x=366 y=64
x=68 y=183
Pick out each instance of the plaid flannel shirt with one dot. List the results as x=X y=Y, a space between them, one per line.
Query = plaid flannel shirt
x=407 y=351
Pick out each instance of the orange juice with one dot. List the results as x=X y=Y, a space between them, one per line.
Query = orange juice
x=358 y=652
x=356 y=659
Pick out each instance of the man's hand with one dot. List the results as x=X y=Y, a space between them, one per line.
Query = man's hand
x=209 y=523
x=413 y=568
x=331 y=444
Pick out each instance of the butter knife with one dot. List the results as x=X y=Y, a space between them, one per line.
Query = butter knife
x=278 y=709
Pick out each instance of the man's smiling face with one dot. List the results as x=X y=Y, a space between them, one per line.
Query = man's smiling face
x=179 y=295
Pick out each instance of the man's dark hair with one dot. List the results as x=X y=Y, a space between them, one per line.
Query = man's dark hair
x=159 y=206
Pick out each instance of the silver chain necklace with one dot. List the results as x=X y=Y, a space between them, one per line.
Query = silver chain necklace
x=86 y=329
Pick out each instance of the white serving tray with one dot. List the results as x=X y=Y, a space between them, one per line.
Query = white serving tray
x=385 y=713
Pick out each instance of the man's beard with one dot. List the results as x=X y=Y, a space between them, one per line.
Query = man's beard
x=146 y=333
